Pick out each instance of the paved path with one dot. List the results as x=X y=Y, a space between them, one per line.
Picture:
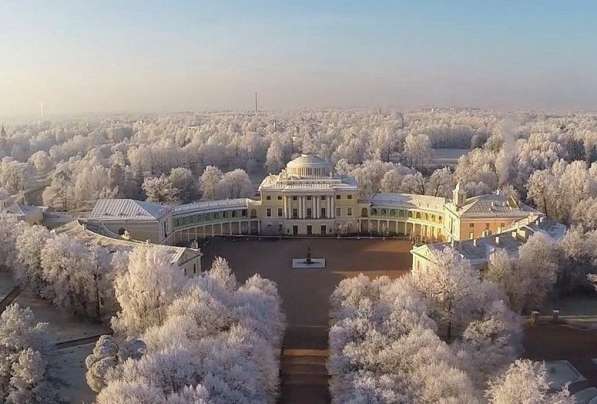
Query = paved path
x=304 y=376
x=9 y=298
x=306 y=295
x=78 y=341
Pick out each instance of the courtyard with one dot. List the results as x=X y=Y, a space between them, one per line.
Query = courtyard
x=306 y=292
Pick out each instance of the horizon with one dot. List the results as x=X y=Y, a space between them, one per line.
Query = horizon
x=102 y=58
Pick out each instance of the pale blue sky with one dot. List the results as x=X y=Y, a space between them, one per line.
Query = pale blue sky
x=111 y=56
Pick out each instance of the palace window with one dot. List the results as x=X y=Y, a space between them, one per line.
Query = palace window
x=279 y=198
x=268 y=212
x=338 y=212
x=294 y=213
x=349 y=211
x=309 y=213
x=410 y=214
x=322 y=212
x=393 y=212
x=471 y=225
x=383 y=212
x=349 y=196
x=338 y=196
x=244 y=213
x=268 y=198
x=233 y=213
x=279 y=212
x=294 y=198
x=309 y=197
x=374 y=211
x=418 y=215
x=322 y=197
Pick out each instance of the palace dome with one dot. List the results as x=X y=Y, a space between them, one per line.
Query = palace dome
x=309 y=165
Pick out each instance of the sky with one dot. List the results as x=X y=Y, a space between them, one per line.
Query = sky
x=109 y=56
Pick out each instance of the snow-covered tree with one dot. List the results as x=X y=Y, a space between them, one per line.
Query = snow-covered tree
x=209 y=181
x=145 y=290
x=417 y=150
x=160 y=189
x=526 y=382
x=24 y=345
x=182 y=179
x=28 y=245
x=234 y=184
x=275 y=156
x=10 y=228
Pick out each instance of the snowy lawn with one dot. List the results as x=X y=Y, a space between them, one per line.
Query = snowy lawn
x=67 y=370
x=6 y=283
x=61 y=325
x=561 y=373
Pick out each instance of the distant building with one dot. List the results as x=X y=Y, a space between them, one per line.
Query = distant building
x=29 y=214
x=188 y=259
x=478 y=251
x=144 y=221
x=308 y=199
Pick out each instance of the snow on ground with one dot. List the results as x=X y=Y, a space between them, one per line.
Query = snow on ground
x=6 y=284
x=67 y=366
x=67 y=372
x=61 y=324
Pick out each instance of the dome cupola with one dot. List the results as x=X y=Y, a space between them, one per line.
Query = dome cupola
x=309 y=165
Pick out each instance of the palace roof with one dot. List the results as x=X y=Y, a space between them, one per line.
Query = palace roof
x=284 y=183
x=308 y=161
x=479 y=250
x=494 y=205
x=410 y=201
x=208 y=206
x=118 y=209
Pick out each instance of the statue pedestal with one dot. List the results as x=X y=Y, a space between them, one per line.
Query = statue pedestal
x=302 y=263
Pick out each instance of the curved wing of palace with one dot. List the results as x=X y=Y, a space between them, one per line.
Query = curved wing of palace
x=308 y=199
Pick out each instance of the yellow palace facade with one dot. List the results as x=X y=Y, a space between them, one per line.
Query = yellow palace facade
x=307 y=199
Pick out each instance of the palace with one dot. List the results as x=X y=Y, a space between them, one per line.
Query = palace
x=308 y=199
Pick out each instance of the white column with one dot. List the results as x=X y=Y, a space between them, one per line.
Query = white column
x=329 y=208
x=333 y=203
x=285 y=203
x=314 y=206
x=300 y=207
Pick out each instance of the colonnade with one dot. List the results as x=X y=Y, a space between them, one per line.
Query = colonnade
x=303 y=204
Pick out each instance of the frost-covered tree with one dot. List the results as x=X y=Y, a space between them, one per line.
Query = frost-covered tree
x=69 y=272
x=234 y=184
x=526 y=382
x=220 y=338
x=182 y=179
x=28 y=245
x=145 y=290
x=41 y=161
x=10 y=228
x=440 y=183
x=106 y=357
x=160 y=189
x=417 y=150
x=452 y=288
x=209 y=182
x=24 y=345
x=275 y=156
